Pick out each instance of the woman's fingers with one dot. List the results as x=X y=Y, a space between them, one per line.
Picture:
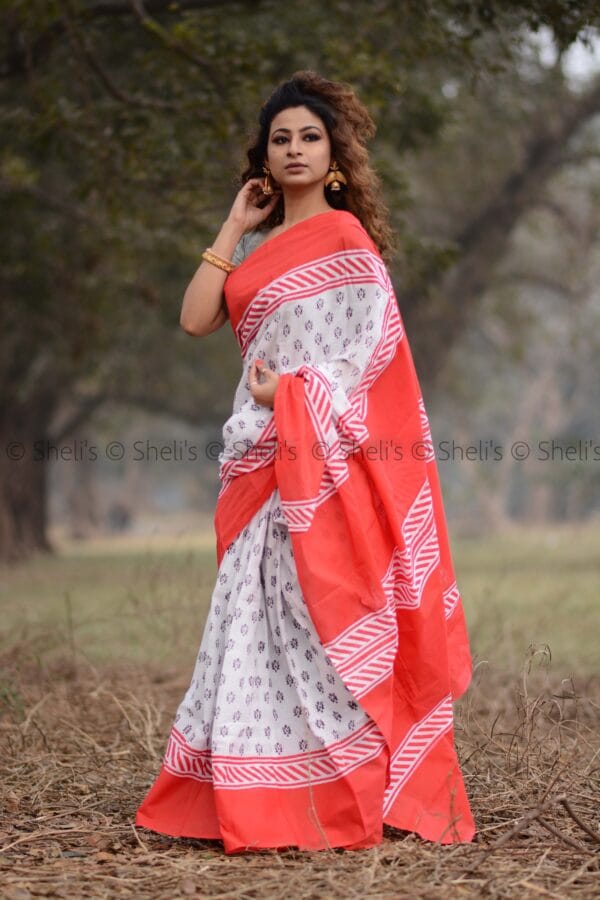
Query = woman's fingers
x=263 y=392
x=255 y=371
x=273 y=200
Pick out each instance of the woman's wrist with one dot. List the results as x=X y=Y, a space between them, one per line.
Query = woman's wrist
x=233 y=227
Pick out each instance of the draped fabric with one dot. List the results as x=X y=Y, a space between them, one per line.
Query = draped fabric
x=336 y=611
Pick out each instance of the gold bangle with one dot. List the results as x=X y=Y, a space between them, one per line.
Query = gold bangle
x=217 y=260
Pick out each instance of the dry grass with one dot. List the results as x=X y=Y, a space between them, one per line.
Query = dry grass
x=81 y=745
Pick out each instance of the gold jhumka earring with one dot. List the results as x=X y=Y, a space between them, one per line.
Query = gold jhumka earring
x=335 y=178
x=267 y=185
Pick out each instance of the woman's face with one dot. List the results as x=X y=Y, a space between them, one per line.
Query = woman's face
x=297 y=135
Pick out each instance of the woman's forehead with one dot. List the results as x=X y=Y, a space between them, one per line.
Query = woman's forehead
x=296 y=118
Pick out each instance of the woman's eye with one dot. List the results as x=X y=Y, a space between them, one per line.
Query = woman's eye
x=279 y=139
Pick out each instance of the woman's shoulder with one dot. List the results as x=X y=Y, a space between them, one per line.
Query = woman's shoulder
x=352 y=232
x=347 y=217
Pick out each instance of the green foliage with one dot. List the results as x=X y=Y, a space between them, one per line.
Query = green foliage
x=124 y=134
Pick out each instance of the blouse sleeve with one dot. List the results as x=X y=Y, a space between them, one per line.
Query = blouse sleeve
x=239 y=254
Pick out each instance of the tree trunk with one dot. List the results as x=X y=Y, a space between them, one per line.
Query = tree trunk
x=23 y=479
x=80 y=494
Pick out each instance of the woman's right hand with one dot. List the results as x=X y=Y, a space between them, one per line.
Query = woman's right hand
x=245 y=211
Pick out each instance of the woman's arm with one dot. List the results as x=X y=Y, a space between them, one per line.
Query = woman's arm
x=203 y=303
x=203 y=309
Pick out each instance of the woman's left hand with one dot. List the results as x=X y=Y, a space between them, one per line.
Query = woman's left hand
x=263 y=383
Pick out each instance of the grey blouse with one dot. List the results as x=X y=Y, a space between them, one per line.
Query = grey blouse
x=248 y=242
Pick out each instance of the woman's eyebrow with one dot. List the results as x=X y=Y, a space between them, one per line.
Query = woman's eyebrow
x=306 y=127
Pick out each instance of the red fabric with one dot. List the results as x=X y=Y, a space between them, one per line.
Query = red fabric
x=371 y=547
x=337 y=814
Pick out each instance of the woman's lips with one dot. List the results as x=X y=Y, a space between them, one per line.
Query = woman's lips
x=296 y=166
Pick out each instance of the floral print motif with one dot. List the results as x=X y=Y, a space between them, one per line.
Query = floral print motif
x=335 y=326
x=262 y=690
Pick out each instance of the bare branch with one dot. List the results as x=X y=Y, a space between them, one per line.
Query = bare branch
x=583 y=825
x=519 y=826
x=58 y=204
x=178 y=47
x=87 y=406
x=84 y=52
x=484 y=240
x=537 y=280
x=15 y=63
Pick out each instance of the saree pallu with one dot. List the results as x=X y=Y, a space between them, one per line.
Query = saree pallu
x=330 y=524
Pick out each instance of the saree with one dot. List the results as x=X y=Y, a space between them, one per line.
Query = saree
x=320 y=706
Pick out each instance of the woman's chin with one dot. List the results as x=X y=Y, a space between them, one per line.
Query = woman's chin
x=290 y=184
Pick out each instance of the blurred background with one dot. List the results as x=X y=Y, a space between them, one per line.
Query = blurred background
x=124 y=127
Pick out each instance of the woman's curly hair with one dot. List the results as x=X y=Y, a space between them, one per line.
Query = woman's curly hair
x=349 y=126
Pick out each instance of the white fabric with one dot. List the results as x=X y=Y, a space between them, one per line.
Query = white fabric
x=263 y=683
x=303 y=323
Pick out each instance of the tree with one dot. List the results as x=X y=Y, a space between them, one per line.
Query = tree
x=120 y=120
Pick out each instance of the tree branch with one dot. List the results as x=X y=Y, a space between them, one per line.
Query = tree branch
x=86 y=408
x=15 y=63
x=483 y=242
x=82 y=48
x=178 y=47
x=52 y=201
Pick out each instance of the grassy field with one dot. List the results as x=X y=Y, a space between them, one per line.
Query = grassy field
x=143 y=602
x=98 y=645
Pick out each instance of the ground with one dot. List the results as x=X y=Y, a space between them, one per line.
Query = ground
x=97 y=648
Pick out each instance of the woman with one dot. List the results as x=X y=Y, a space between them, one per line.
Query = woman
x=320 y=706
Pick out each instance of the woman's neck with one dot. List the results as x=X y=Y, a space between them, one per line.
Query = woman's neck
x=297 y=208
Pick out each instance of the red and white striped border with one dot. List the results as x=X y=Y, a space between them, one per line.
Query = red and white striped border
x=364 y=653
x=416 y=745
x=451 y=599
x=300 y=513
x=420 y=555
x=351 y=424
x=260 y=454
x=426 y=429
x=291 y=771
x=299 y=770
x=309 y=279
